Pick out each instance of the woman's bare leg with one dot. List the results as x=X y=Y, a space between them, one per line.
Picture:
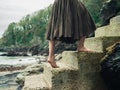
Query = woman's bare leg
x=81 y=47
x=51 y=57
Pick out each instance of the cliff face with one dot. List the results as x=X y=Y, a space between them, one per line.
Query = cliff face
x=111 y=67
x=110 y=9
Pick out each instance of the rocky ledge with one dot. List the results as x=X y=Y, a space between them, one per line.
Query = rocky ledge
x=14 y=80
x=4 y=68
x=110 y=67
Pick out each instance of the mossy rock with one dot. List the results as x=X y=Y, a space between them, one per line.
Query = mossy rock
x=110 y=67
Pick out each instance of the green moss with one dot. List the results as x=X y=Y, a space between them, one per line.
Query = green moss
x=110 y=50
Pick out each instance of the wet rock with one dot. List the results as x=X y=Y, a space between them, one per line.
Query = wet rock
x=110 y=67
x=33 y=69
x=34 y=50
x=20 y=79
x=7 y=80
x=11 y=67
x=40 y=59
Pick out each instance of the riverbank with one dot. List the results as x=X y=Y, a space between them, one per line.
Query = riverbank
x=8 y=80
x=5 y=68
x=10 y=73
x=18 y=62
x=14 y=80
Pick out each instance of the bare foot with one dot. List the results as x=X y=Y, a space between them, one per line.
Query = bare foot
x=53 y=64
x=84 y=49
x=51 y=61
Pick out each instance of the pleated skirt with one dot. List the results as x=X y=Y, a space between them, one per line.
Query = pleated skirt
x=69 y=21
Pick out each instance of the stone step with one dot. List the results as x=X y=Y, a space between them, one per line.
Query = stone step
x=115 y=20
x=59 y=78
x=99 y=44
x=88 y=75
x=73 y=59
x=109 y=30
x=35 y=82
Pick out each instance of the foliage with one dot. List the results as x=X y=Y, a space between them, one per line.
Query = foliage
x=29 y=31
x=94 y=7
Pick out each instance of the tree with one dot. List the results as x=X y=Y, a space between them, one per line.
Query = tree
x=29 y=31
x=94 y=7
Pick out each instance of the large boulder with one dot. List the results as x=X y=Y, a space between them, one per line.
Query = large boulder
x=33 y=69
x=110 y=67
x=7 y=80
x=110 y=9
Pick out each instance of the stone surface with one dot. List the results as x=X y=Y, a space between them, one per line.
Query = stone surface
x=77 y=71
x=108 y=31
x=88 y=74
x=60 y=78
x=89 y=71
x=8 y=81
x=58 y=57
x=33 y=69
x=35 y=82
x=99 y=44
x=115 y=20
x=70 y=59
x=111 y=67
x=12 y=67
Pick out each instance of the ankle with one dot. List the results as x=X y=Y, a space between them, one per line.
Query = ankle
x=81 y=47
x=51 y=58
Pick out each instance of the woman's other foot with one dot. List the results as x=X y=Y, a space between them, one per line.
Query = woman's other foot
x=84 y=49
x=52 y=63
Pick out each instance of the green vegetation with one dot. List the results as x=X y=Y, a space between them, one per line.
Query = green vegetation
x=94 y=7
x=30 y=30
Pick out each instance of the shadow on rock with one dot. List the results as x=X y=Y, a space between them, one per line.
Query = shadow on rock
x=111 y=67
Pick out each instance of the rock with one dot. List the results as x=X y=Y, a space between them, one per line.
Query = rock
x=110 y=9
x=7 y=80
x=40 y=59
x=20 y=60
x=20 y=79
x=110 y=67
x=112 y=30
x=115 y=20
x=14 y=53
x=58 y=57
x=34 y=49
x=11 y=67
x=33 y=69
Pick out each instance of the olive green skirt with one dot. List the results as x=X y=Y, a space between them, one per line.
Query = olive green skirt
x=69 y=21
